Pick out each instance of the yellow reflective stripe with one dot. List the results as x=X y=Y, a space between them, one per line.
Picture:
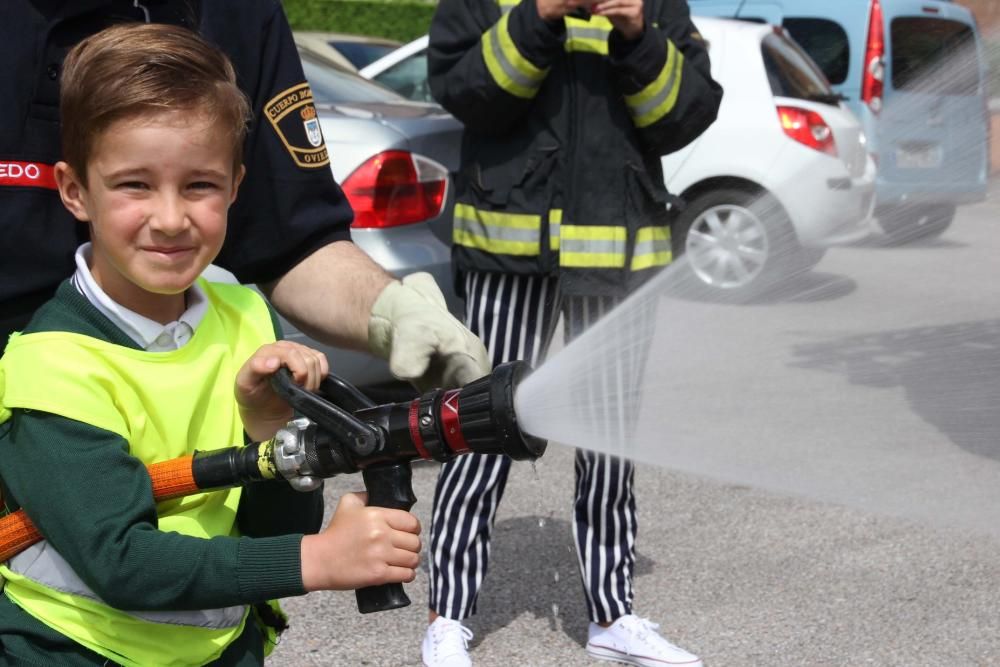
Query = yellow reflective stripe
x=653 y=90
x=592 y=246
x=555 y=223
x=652 y=248
x=511 y=70
x=497 y=232
x=593 y=233
x=658 y=98
x=588 y=260
x=588 y=36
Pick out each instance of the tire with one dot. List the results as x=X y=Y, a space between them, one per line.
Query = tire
x=735 y=244
x=904 y=224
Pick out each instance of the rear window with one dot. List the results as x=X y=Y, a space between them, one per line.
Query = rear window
x=408 y=77
x=334 y=86
x=826 y=42
x=792 y=73
x=362 y=53
x=934 y=56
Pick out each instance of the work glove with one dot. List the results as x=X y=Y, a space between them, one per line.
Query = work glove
x=411 y=327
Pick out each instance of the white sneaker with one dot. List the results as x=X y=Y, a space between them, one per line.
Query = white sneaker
x=635 y=641
x=446 y=644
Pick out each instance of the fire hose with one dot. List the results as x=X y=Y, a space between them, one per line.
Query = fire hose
x=340 y=431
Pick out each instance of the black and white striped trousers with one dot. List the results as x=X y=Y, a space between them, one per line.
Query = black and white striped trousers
x=516 y=316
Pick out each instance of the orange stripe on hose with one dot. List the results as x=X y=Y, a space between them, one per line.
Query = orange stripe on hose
x=16 y=534
x=170 y=479
x=173 y=478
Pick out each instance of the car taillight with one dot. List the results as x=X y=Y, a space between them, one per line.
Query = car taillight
x=396 y=188
x=808 y=127
x=873 y=84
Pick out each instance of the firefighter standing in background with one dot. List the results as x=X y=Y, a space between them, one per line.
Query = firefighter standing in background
x=561 y=208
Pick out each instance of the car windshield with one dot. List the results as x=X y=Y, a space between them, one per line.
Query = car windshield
x=934 y=56
x=792 y=73
x=362 y=53
x=334 y=86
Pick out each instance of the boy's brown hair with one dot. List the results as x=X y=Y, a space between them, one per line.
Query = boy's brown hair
x=138 y=69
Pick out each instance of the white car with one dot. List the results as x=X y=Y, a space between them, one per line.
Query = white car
x=784 y=172
x=404 y=70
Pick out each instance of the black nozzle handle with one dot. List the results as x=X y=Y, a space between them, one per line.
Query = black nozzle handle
x=389 y=485
x=344 y=427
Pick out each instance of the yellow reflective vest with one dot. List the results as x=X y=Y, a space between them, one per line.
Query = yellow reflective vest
x=565 y=125
x=165 y=405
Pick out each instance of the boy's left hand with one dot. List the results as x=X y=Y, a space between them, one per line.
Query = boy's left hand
x=262 y=410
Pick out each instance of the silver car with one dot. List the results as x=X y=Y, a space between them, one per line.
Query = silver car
x=350 y=52
x=393 y=158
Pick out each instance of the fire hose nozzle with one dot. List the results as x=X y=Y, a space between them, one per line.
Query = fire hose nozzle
x=478 y=418
x=439 y=425
x=353 y=433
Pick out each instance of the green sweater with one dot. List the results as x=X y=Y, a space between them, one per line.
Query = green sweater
x=54 y=462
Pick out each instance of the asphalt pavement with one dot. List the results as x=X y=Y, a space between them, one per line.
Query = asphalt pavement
x=741 y=575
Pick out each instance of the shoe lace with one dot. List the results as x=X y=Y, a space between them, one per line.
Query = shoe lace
x=645 y=630
x=451 y=638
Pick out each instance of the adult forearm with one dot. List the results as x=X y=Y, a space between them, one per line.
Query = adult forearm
x=338 y=295
x=329 y=294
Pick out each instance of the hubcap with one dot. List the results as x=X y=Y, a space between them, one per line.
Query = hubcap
x=727 y=246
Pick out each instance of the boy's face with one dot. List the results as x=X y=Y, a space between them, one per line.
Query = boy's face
x=158 y=191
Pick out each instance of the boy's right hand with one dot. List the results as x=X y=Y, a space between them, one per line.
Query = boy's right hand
x=264 y=412
x=362 y=546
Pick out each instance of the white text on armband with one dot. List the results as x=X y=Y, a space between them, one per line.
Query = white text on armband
x=30 y=174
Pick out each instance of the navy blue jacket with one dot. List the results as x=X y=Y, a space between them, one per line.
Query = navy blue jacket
x=288 y=206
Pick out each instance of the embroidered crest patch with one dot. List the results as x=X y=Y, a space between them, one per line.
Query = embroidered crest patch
x=293 y=117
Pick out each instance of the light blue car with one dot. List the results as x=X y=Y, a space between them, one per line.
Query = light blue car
x=913 y=71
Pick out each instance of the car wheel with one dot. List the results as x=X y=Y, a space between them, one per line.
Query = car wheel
x=736 y=243
x=903 y=224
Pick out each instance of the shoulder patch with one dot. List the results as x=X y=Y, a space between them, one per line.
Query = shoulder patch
x=293 y=117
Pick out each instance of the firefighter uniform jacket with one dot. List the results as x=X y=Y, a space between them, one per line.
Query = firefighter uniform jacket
x=565 y=125
x=288 y=205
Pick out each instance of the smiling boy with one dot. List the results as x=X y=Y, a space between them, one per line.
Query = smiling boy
x=151 y=246
x=137 y=360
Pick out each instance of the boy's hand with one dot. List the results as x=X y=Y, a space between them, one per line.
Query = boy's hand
x=263 y=411
x=362 y=546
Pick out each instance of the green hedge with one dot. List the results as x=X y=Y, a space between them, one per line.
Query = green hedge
x=401 y=20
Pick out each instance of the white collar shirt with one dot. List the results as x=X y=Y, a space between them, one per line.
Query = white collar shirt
x=148 y=334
